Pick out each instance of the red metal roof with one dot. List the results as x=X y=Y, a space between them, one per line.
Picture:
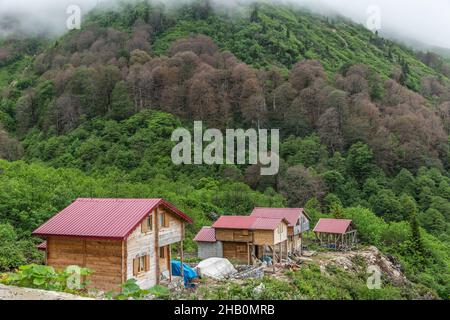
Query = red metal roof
x=328 y=225
x=102 y=218
x=290 y=214
x=206 y=234
x=267 y=223
x=234 y=222
x=247 y=222
x=42 y=246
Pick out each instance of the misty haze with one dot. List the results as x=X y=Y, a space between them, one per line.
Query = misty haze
x=413 y=21
x=225 y=150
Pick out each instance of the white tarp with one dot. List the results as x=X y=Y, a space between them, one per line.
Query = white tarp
x=216 y=268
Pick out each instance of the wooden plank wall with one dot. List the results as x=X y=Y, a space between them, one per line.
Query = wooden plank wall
x=103 y=257
x=290 y=231
x=236 y=251
x=173 y=233
x=146 y=243
x=261 y=237
x=280 y=233
x=234 y=235
x=140 y=244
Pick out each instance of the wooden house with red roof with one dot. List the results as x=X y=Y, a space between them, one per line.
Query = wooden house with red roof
x=243 y=238
x=117 y=239
x=338 y=234
x=298 y=223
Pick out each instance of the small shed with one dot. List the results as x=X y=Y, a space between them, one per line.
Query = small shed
x=338 y=234
x=208 y=246
x=42 y=246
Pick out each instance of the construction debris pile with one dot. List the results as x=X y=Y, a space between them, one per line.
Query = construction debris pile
x=247 y=271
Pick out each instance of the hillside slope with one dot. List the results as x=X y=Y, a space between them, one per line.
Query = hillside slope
x=265 y=35
x=364 y=124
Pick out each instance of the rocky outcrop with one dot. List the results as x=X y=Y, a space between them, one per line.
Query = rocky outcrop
x=358 y=261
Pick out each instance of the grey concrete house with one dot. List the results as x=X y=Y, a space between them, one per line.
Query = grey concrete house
x=208 y=246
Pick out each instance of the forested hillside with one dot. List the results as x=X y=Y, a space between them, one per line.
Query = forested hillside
x=364 y=123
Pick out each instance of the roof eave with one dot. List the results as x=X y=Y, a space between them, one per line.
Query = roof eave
x=46 y=235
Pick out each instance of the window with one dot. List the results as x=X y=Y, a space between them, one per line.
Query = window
x=162 y=252
x=141 y=264
x=150 y=223
x=147 y=225
x=163 y=222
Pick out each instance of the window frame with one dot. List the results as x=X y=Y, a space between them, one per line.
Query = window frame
x=141 y=264
x=150 y=223
x=147 y=225
x=162 y=220
x=162 y=252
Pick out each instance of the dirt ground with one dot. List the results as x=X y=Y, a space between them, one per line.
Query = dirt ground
x=16 y=293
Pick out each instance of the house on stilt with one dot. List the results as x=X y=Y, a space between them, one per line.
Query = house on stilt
x=298 y=224
x=338 y=234
x=244 y=239
x=273 y=232
x=118 y=239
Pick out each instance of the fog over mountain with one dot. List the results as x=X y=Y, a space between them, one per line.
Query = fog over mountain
x=414 y=21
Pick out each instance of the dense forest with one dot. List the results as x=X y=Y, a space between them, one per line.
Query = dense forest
x=364 y=123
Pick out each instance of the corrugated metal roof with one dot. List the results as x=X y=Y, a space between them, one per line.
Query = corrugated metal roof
x=102 y=218
x=267 y=223
x=234 y=222
x=247 y=222
x=329 y=225
x=290 y=214
x=42 y=246
x=206 y=234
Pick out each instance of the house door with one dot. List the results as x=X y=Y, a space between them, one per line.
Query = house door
x=164 y=259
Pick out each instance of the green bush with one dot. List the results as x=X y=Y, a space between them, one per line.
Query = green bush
x=45 y=277
x=131 y=290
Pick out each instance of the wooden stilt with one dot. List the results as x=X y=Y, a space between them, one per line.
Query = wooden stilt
x=300 y=243
x=273 y=258
x=281 y=251
x=182 y=260
x=169 y=262
x=156 y=224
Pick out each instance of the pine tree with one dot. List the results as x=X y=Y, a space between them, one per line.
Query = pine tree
x=405 y=71
x=254 y=15
x=416 y=238
x=337 y=211
x=122 y=106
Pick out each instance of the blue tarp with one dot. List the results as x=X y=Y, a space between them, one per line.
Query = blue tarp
x=189 y=273
x=267 y=260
